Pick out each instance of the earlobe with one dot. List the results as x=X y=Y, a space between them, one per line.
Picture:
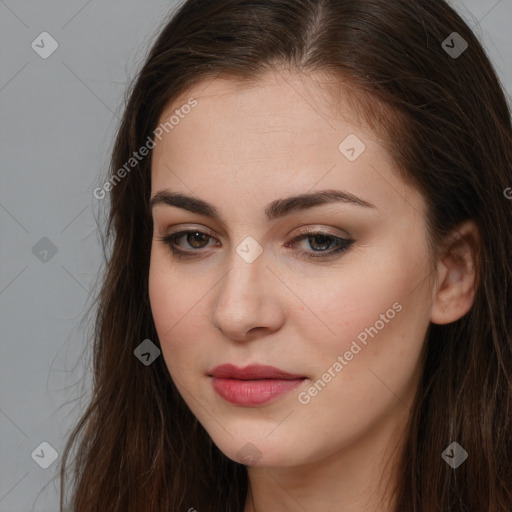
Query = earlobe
x=457 y=275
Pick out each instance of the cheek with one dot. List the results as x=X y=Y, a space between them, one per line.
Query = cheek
x=172 y=300
x=378 y=303
x=364 y=353
x=181 y=313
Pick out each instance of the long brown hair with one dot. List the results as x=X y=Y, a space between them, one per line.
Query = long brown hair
x=447 y=126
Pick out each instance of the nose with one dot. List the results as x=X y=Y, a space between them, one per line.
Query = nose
x=247 y=305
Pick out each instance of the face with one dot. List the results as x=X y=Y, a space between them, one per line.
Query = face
x=331 y=292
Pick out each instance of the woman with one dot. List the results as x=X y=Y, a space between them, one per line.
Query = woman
x=307 y=302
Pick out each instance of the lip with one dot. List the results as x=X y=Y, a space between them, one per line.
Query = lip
x=252 y=385
x=252 y=372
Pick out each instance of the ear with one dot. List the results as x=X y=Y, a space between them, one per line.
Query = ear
x=457 y=275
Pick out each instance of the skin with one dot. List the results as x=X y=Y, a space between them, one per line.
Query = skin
x=239 y=149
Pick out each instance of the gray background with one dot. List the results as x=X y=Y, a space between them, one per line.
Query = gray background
x=58 y=119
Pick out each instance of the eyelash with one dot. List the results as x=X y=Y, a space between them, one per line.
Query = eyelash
x=343 y=244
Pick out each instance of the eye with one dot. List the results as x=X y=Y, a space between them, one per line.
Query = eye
x=322 y=243
x=195 y=238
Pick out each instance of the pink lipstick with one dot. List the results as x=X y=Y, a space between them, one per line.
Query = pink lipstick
x=253 y=385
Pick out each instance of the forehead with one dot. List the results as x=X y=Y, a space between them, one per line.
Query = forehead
x=279 y=134
x=283 y=105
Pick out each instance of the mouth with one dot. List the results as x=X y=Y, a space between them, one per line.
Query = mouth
x=253 y=385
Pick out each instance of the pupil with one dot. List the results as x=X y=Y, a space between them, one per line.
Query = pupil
x=196 y=238
x=321 y=240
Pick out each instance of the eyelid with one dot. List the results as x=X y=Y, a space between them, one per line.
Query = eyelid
x=198 y=227
x=310 y=229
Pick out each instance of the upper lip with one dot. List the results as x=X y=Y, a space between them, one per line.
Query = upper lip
x=251 y=372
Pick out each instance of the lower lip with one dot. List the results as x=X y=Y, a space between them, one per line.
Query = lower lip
x=253 y=392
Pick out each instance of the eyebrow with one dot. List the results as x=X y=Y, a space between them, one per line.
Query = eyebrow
x=275 y=210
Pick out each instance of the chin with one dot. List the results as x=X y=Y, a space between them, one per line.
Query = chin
x=260 y=452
